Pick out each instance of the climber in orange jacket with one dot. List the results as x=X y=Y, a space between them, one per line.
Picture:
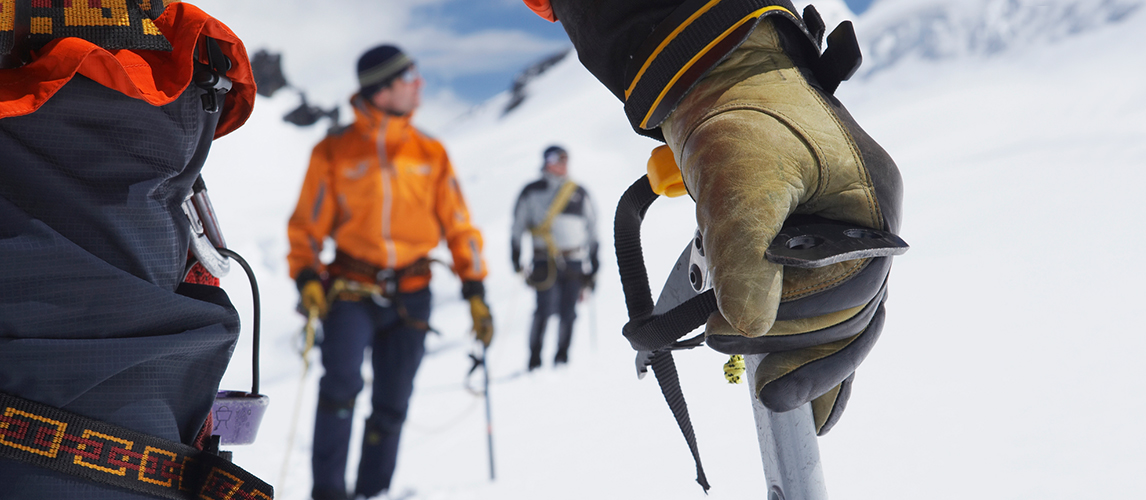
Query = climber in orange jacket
x=386 y=193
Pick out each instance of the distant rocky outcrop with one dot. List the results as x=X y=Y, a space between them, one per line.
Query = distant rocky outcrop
x=521 y=83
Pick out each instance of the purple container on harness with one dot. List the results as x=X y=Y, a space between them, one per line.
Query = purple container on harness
x=236 y=416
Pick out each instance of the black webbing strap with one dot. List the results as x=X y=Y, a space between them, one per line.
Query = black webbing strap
x=627 y=240
x=655 y=333
x=62 y=441
x=665 y=370
x=661 y=331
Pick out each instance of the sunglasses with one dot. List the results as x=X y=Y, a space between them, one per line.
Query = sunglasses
x=410 y=75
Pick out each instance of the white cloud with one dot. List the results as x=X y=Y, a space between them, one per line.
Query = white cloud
x=452 y=55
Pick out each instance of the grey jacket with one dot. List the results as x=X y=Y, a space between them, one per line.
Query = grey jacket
x=574 y=229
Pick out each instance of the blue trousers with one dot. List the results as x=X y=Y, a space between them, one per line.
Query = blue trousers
x=396 y=353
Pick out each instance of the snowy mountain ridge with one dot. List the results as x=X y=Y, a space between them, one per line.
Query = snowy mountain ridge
x=894 y=30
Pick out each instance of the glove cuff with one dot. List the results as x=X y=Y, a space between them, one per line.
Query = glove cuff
x=472 y=288
x=305 y=276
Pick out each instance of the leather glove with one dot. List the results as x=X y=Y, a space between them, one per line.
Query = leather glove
x=474 y=292
x=483 y=320
x=756 y=143
x=312 y=295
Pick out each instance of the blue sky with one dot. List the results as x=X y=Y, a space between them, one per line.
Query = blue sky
x=858 y=6
x=467 y=17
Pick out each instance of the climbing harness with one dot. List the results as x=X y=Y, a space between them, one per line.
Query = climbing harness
x=356 y=280
x=553 y=260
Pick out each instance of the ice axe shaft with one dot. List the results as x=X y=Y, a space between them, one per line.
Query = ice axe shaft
x=788 y=447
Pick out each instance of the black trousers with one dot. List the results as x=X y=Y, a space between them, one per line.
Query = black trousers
x=560 y=298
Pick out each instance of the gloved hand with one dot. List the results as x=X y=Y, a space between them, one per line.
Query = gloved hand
x=515 y=256
x=590 y=281
x=312 y=295
x=757 y=143
x=474 y=292
x=483 y=320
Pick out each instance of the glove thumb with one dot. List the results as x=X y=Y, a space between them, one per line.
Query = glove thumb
x=746 y=172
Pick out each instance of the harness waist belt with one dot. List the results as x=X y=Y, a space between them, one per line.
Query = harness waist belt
x=346 y=265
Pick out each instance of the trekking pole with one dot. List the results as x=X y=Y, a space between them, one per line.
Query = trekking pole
x=480 y=362
x=488 y=413
x=311 y=326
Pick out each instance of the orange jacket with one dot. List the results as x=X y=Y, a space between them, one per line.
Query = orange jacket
x=154 y=76
x=386 y=193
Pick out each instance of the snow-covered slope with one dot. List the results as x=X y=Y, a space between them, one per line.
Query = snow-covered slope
x=1008 y=367
x=943 y=29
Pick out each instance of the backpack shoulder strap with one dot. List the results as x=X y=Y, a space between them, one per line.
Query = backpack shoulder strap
x=76 y=445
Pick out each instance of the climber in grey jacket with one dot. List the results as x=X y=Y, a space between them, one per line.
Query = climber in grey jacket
x=562 y=222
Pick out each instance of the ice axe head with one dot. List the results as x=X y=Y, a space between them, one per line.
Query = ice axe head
x=268 y=72
x=306 y=115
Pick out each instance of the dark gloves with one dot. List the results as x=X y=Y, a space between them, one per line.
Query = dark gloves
x=515 y=256
x=474 y=292
x=312 y=295
x=590 y=281
x=594 y=264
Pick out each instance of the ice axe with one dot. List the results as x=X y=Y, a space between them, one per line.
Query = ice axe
x=787 y=440
x=269 y=78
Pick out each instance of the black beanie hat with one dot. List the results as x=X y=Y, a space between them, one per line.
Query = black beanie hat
x=551 y=153
x=378 y=67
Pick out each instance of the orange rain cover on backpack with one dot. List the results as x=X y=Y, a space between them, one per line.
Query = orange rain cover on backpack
x=155 y=76
x=542 y=8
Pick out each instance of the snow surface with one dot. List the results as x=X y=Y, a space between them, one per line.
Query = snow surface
x=1008 y=367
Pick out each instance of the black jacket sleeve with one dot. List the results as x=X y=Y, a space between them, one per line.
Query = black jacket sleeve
x=650 y=53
